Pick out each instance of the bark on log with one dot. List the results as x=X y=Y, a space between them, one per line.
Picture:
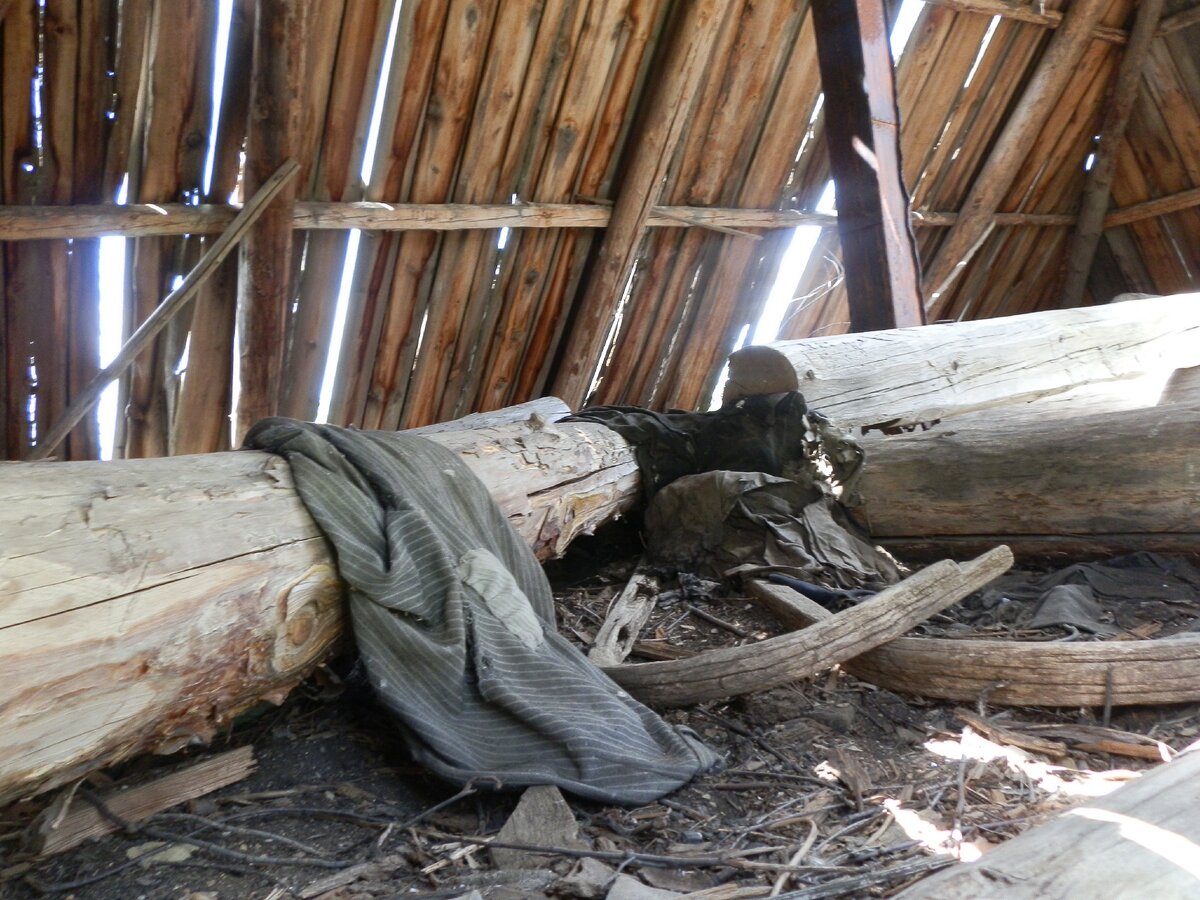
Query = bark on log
x=143 y=603
x=1140 y=841
x=1099 y=476
x=912 y=375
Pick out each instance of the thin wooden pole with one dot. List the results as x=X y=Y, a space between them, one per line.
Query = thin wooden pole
x=174 y=302
x=994 y=179
x=684 y=70
x=1097 y=193
x=27 y=223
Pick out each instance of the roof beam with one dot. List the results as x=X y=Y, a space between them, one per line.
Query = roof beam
x=26 y=223
x=1052 y=18
x=1085 y=237
x=682 y=72
x=976 y=218
x=863 y=135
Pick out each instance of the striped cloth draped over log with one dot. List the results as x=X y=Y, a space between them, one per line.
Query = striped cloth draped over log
x=454 y=619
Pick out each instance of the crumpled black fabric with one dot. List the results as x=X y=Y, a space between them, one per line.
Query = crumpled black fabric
x=776 y=434
x=454 y=619
x=1136 y=586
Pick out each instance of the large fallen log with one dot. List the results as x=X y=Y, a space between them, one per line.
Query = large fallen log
x=1086 y=486
x=144 y=603
x=1091 y=359
x=1139 y=841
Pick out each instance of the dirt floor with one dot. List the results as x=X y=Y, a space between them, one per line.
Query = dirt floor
x=832 y=788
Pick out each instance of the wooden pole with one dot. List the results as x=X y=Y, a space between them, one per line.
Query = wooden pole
x=26 y=223
x=277 y=80
x=171 y=306
x=1097 y=193
x=1055 y=68
x=683 y=72
x=863 y=136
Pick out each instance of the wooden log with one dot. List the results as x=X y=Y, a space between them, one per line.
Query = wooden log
x=144 y=603
x=1139 y=841
x=1123 y=473
x=914 y=375
x=1014 y=673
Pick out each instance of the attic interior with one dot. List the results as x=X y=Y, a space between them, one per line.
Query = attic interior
x=907 y=293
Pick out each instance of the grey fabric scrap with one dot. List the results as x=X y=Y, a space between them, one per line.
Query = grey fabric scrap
x=1071 y=604
x=454 y=619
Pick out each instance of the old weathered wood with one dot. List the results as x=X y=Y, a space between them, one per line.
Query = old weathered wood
x=732 y=671
x=916 y=375
x=626 y=617
x=993 y=181
x=1006 y=472
x=863 y=132
x=1014 y=673
x=273 y=135
x=1097 y=194
x=669 y=105
x=1138 y=841
x=171 y=305
x=143 y=603
x=61 y=827
x=204 y=407
x=1023 y=12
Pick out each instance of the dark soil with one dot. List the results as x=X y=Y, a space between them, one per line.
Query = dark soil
x=869 y=785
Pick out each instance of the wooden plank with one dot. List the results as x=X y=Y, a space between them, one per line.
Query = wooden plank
x=205 y=402
x=993 y=181
x=576 y=95
x=1027 y=12
x=343 y=134
x=1138 y=841
x=73 y=825
x=863 y=132
x=667 y=112
x=460 y=289
x=278 y=82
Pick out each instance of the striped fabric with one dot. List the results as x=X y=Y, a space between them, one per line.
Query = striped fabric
x=454 y=619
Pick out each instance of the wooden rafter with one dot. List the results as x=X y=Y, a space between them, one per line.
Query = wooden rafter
x=277 y=84
x=1097 y=192
x=997 y=174
x=684 y=70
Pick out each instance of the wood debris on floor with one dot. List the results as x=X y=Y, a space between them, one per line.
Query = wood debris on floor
x=832 y=788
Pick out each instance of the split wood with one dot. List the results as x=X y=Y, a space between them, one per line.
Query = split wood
x=172 y=305
x=626 y=617
x=1013 y=673
x=61 y=827
x=733 y=671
